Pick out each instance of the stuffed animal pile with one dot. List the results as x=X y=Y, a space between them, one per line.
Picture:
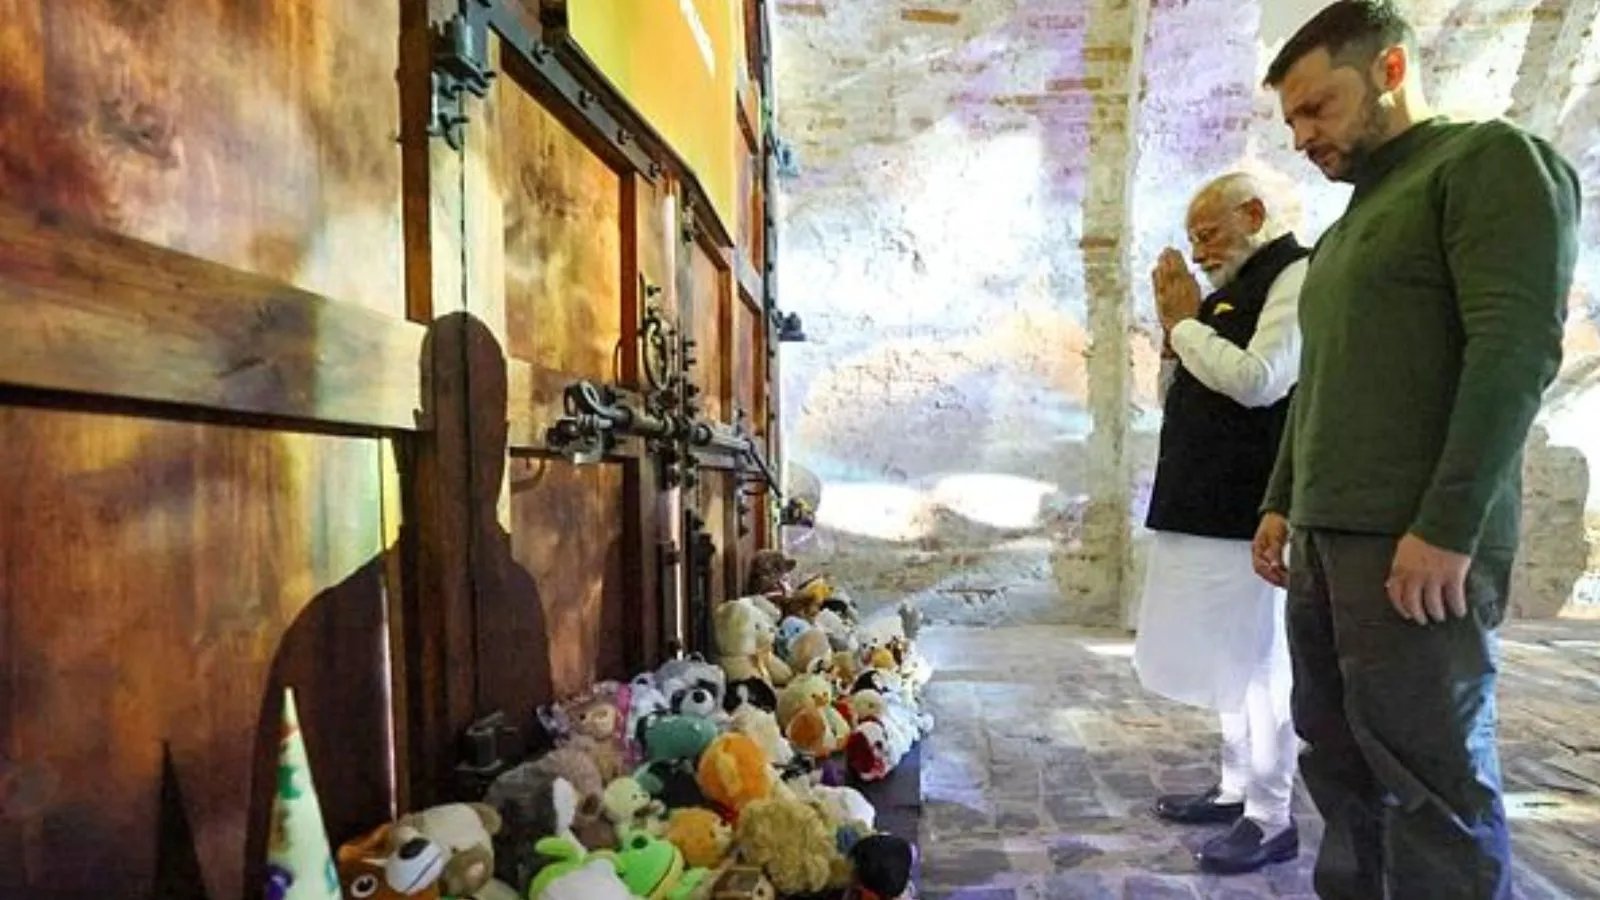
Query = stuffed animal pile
x=697 y=781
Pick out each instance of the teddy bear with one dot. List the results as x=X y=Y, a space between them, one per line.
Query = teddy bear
x=744 y=636
x=811 y=652
x=466 y=832
x=762 y=727
x=702 y=835
x=371 y=867
x=597 y=730
x=631 y=808
x=841 y=634
x=769 y=573
x=793 y=844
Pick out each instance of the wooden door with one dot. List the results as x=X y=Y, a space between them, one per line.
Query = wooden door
x=207 y=365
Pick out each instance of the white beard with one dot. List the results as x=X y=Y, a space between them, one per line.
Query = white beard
x=1224 y=276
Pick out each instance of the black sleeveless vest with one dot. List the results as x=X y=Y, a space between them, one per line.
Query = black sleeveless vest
x=1216 y=455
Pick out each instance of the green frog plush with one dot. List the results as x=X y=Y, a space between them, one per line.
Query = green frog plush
x=678 y=737
x=653 y=868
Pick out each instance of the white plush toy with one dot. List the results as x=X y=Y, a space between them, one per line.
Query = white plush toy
x=596 y=880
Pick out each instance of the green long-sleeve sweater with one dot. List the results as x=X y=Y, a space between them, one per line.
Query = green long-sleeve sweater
x=1432 y=317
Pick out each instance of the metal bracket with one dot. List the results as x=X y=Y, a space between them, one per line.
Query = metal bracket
x=486 y=751
x=460 y=67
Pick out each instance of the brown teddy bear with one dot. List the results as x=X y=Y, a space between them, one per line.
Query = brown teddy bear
x=769 y=573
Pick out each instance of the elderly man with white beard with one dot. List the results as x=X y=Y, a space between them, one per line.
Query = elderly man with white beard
x=1210 y=632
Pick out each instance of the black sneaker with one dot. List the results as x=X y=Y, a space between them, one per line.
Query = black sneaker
x=1243 y=849
x=1198 y=809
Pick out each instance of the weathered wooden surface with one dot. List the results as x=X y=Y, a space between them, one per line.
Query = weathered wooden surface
x=159 y=583
x=89 y=311
x=560 y=625
x=261 y=136
x=563 y=233
x=706 y=314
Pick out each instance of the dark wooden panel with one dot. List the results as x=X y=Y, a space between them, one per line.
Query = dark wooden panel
x=159 y=583
x=557 y=626
x=715 y=504
x=257 y=135
x=88 y=311
x=708 y=314
x=563 y=234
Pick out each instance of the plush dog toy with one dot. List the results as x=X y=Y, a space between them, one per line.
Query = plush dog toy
x=466 y=832
x=371 y=868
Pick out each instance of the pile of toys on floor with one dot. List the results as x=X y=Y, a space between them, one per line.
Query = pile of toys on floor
x=701 y=780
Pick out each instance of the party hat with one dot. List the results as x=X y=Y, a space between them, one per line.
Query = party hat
x=299 y=860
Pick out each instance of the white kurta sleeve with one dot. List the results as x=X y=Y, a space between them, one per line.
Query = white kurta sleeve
x=1262 y=373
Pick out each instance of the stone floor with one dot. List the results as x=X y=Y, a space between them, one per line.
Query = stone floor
x=1046 y=756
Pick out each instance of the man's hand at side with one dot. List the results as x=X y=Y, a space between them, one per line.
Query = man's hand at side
x=1426 y=583
x=1267 y=551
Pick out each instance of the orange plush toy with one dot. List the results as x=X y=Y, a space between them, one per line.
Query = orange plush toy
x=370 y=868
x=734 y=771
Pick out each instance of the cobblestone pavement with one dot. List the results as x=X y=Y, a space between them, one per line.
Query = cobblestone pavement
x=1046 y=756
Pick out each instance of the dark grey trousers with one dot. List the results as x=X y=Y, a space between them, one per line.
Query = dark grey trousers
x=1401 y=723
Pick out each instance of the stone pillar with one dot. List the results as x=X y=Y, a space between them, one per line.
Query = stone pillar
x=1100 y=568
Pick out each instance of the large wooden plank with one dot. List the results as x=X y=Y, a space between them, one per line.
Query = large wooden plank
x=159 y=583
x=563 y=237
x=257 y=135
x=89 y=311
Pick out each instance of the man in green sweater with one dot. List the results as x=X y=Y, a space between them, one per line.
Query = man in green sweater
x=1432 y=317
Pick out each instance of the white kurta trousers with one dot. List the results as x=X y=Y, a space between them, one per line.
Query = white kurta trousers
x=1211 y=634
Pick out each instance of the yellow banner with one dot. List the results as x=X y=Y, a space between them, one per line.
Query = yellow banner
x=677 y=62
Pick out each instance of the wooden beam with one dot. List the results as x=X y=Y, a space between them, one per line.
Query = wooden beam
x=90 y=312
x=750 y=282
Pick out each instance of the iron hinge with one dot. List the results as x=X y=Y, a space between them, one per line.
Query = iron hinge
x=460 y=67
